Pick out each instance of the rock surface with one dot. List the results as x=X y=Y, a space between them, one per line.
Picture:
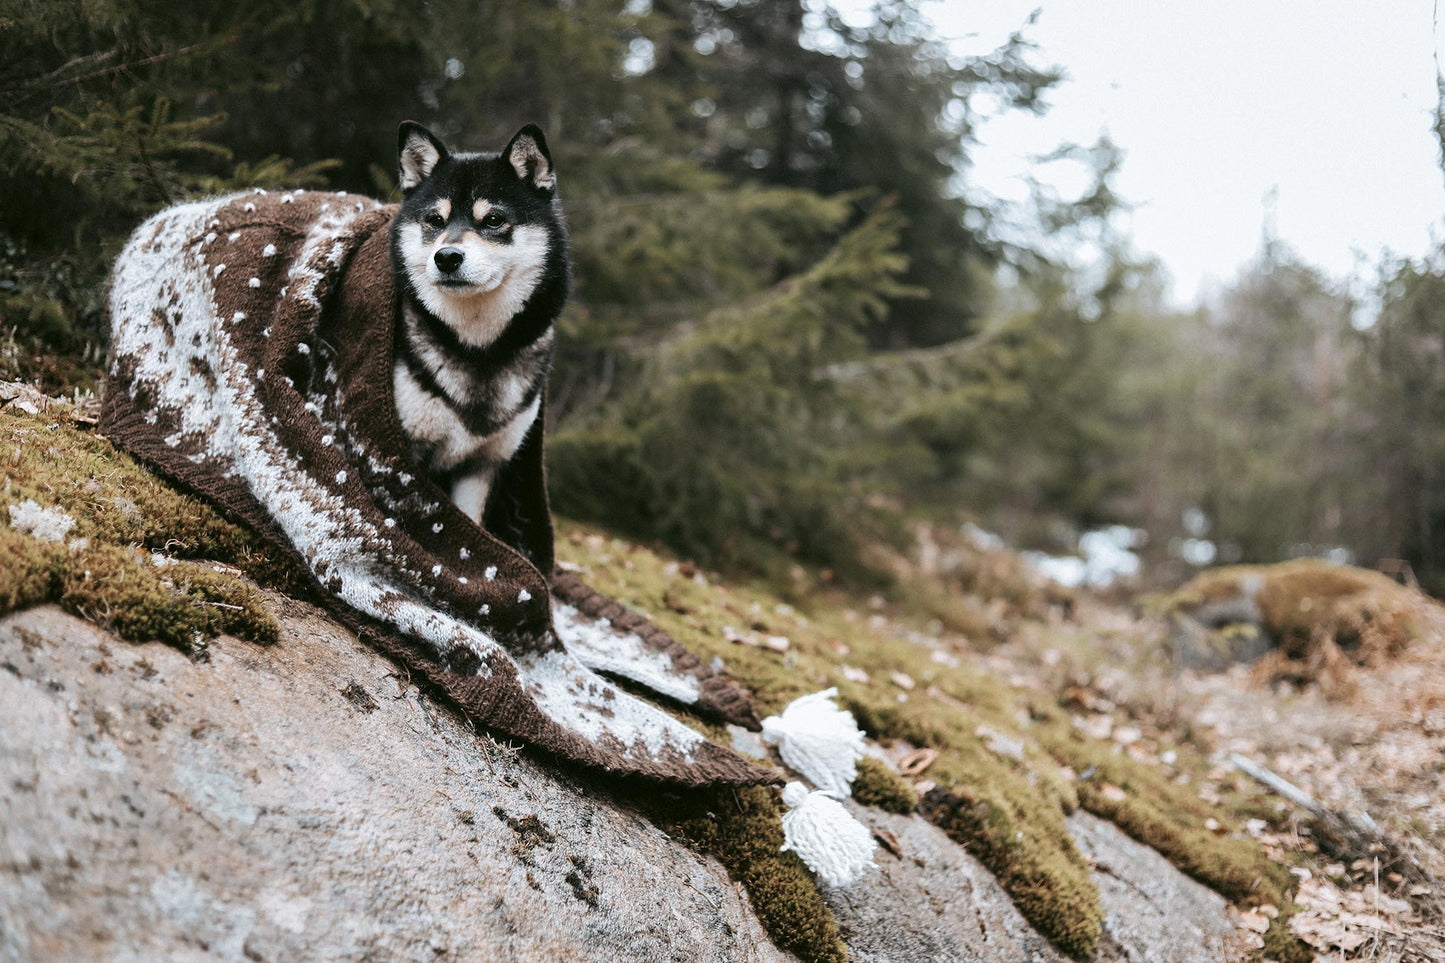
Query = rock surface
x=1152 y=912
x=301 y=801
x=939 y=904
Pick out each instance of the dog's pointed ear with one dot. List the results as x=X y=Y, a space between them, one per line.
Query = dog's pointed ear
x=529 y=157
x=418 y=153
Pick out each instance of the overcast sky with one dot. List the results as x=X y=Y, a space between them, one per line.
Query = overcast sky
x=1217 y=103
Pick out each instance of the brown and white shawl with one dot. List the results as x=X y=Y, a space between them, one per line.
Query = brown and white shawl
x=252 y=363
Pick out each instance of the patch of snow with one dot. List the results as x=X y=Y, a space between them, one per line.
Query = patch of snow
x=1197 y=551
x=982 y=539
x=1104 y=558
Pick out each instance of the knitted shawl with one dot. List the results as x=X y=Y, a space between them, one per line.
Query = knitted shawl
x=252 y=351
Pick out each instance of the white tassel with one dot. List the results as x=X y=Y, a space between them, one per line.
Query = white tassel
x=818 y=740
x=834 y=845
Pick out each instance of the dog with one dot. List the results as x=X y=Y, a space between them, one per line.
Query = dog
x=480 y=256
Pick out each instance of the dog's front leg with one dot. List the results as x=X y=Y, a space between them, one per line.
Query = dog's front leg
x=470 y=493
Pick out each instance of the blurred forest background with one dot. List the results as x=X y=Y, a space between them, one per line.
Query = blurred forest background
x=796 y=335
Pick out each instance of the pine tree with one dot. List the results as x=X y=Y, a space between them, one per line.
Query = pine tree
x=728 y=445
x=802 y=98
x=1402 y=390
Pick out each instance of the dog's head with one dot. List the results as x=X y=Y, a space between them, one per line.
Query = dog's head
x=477 y=234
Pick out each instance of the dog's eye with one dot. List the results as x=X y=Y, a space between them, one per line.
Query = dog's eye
x=494 y=219
x=434 y=219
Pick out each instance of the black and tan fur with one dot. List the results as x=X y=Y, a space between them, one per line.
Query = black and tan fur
x=479 y=250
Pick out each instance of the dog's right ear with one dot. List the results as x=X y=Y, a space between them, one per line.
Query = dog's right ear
x=418 y=153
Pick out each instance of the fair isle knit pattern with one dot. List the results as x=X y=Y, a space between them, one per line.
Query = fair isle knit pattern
x=252 y=364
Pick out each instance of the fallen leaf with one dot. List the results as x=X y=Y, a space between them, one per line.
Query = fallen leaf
x=778 y=643
x=1001 y=744
x=889 y=841
x=1112 y=792
x=1254 y=921
x=917 y=761
x=1127 y=735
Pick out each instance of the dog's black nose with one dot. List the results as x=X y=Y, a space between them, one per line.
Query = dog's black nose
x=449 y=259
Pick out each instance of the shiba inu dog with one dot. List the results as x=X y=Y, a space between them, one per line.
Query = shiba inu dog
x=479 y=250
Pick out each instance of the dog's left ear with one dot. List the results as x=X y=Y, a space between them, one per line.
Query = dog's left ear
x=528 y=156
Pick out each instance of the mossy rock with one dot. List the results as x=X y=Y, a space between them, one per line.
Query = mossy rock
x=1006 y=805
x=743 y=830
x=1007 y=810
x=1060 y=901
x=85 y=526
x=1316 y=613
x=1166 y=816
x=1024 y=842
x=1008 y=815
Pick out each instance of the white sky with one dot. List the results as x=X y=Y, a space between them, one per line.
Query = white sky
x=1216 y=103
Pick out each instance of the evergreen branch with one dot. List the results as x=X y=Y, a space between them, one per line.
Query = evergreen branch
x=48 y=80
x=147 y=61
x=150 y=170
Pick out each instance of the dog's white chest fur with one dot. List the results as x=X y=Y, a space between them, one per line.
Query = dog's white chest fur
x=432 y=421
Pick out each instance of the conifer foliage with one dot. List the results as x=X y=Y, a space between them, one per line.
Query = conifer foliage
x=759 y=193
x=787 y=334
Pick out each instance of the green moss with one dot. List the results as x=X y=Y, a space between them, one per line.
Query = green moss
x=1004 y=778
x=1009 y=817
x=1051 y=890
x=28 y=571
x=117 y=501
x=181 y=605
x=1282 y=946
x=743 y=829
x=877 y=785
x=1168 y=818
x=105 y=570
x=1023 y=841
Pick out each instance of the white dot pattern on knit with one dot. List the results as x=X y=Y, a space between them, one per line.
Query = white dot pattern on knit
x=164 y=272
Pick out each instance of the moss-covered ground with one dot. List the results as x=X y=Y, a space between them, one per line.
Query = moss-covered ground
x=1010 y=763
x=134 y=555
x=877 y=785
